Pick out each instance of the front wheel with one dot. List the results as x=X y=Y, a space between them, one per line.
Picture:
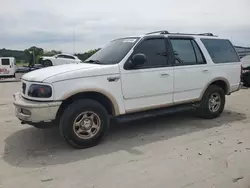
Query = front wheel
x=84 y=123
x=212 y=103
x=47 y=63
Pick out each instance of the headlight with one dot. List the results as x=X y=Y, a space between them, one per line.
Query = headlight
x=40 y=91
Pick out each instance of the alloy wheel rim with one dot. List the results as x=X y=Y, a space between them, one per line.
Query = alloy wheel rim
x=214 y=102
x=86 y=125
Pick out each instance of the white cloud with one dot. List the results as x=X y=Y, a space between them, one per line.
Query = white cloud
x=50 y=23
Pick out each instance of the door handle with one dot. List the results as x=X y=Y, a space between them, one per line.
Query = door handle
x=205 y=70
x=113 y=79
x=164 y=75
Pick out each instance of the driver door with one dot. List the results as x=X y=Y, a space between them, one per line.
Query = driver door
x=149 y=85
x=60 y=60
x=70 y=59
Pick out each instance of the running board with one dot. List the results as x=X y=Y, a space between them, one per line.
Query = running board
x=157 y=112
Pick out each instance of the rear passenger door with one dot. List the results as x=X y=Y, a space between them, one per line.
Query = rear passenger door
x=69 y=59
x=59 y=60
x=191 y=72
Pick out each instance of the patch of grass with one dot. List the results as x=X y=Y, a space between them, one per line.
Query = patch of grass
x=21 y=63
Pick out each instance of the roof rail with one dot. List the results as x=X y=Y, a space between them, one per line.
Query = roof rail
x=203 y=34
x=166 y=32
x=160 y=32
x=207 y=34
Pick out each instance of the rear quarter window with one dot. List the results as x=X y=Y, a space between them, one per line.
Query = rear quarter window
x=221 y=50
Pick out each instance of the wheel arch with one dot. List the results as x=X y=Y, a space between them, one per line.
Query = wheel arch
x=47 y=59
x=104 y=98
x=221 y=82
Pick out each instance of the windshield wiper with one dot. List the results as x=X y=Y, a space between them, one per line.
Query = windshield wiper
x=93 y=61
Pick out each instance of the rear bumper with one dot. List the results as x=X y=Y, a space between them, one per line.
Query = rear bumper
x=35 y=112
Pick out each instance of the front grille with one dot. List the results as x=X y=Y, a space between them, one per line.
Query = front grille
x=24 y=88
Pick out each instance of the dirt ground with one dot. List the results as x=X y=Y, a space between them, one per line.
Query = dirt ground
x=172 y=151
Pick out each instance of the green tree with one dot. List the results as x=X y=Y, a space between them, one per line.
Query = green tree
x=87 y=54
x=34 y=53
x=51 y=53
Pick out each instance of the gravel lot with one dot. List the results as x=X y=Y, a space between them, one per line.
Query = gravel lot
x=172 y=151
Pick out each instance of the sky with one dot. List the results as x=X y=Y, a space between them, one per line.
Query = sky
x=56 y=24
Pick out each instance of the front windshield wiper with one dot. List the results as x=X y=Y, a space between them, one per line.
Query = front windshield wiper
x=93 y=61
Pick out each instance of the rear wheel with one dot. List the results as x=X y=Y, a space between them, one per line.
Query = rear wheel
x=47 y=63
x=212 y=103
x=84 y=123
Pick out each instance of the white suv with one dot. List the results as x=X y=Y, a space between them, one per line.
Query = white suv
x=152 y=74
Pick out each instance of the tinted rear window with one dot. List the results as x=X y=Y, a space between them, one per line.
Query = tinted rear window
x=221 y=50
x=5 y=62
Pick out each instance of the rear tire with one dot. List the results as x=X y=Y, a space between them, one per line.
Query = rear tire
x=212 y=103
x=84 y=123
x=47 y=63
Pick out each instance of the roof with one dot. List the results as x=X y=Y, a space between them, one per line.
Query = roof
x=7 y=57
x=166 y=33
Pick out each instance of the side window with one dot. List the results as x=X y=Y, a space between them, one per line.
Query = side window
x=69 y=57
x=60 y=56
x=221 y=50
x=155 y=51
x=5 y=62
x=65 y=56
x=187 y=52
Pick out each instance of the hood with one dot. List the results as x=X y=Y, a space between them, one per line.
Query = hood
x=41 y=74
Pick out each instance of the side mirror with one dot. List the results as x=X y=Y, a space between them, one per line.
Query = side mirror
x=175 y=53
x=138 y=59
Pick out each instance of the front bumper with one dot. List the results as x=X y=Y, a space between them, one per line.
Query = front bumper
x=35 y=112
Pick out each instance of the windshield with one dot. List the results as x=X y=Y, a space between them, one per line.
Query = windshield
x=114 y=52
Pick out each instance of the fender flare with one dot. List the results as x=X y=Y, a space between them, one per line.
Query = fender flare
x=97 y=90
x=214 y=80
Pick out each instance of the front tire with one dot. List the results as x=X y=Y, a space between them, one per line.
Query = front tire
x=212 y=103
x=84 y=123
x=47 y=63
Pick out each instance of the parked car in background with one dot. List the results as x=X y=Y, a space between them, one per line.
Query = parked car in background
x=7 y=67
x=59 y=59
x=131 y=77
x=20 y=71
x=246 y=70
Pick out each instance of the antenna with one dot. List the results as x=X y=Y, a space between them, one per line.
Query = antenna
x=74 y=41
